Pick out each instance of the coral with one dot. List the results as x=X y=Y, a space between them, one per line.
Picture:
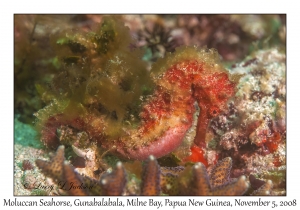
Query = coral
x=151 y=178
x=54 y=168
x=155 y=180
x=113 y=183
x=197 y=182
x=110 y=183
x=169 y=179
x=62 y=173
x=265 y=189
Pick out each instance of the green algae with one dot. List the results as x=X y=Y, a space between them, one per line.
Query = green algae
x=100 y=75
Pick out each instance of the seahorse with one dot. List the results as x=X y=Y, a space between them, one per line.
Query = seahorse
x=188 y=76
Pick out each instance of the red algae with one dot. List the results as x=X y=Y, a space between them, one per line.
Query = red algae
x=197 y=156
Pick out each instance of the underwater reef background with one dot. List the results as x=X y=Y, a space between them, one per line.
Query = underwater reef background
x=150 y=104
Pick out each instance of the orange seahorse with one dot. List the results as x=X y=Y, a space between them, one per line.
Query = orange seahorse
x=182 y=78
